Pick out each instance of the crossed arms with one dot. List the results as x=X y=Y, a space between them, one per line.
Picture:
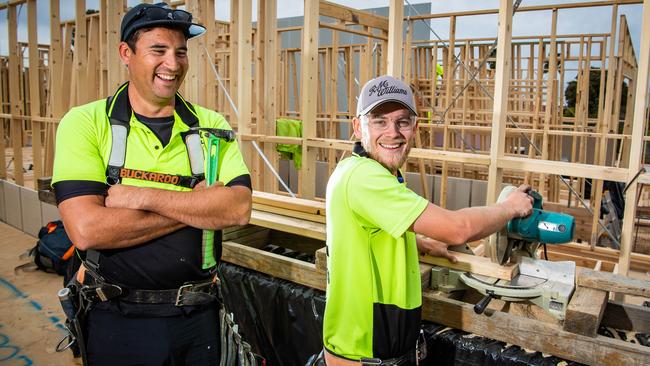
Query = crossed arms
x=129 y=215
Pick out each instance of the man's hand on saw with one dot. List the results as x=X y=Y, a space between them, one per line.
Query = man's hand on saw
x=434 y=248
x=519 y=202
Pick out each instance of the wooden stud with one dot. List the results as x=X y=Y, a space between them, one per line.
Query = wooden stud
x=80 y=57
x=234 y=61
x=103 y=49
x=308 y=91
x=333 y=98
x=194 y=83
x=449 y=91
x=116 y=9
x=395 y=37
x=14 y=91
x=210 y=83
x=551 y=96
x=604 y=121
x=92 y=70
x=499 y=114
x=244 y=75
x=638 y=128
x=34 y=90
x=270 y=66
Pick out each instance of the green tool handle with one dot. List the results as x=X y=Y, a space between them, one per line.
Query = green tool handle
x=211 y=176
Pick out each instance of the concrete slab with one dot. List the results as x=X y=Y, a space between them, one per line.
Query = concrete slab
x=49 y=213
x=479 y=193
x=30 y=210
x=458 y=193
x=12 y=205
x=289 y=174
x=435 y=187
x=31 y=320
x=321 y=179
x=414 y=183
x=3 y=211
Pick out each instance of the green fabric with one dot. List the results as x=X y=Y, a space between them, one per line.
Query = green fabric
x=372 y=257
x=290 y=128
x=439 y=70
x=84 y=138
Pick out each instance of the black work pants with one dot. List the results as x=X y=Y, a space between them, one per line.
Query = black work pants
x=185 y=339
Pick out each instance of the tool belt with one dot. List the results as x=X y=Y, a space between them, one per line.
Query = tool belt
x=95 y=289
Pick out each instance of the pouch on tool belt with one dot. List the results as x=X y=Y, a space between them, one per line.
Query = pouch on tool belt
x=52 y=251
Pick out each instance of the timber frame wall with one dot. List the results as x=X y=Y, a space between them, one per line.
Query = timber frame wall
x=463 y=132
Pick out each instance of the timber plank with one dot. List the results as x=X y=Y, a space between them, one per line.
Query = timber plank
x=532 y=334
x=475 y=264
x=612 y=282
x=273 y=264
x=292 y=225
x=585 y=311
x=290 y=203
x=347 y=14
x=289 y=212
x=321 y=259
x=639 y=262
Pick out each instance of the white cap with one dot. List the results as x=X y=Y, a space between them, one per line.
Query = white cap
x=382 y=90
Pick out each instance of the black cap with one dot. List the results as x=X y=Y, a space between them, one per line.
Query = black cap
x=158 y=15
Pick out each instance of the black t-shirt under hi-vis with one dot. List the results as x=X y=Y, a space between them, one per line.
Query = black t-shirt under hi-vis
x=83 y=147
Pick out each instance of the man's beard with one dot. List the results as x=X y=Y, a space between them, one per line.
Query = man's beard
x=365 y=142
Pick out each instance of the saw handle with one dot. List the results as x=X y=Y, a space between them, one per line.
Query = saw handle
x=480 y=306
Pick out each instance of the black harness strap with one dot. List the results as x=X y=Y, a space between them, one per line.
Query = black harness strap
x=118 y=111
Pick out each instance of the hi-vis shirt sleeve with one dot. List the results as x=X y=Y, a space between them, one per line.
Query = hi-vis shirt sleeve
x=380 y=201
x=77 y=155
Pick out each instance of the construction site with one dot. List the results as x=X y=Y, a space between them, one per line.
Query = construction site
x=498 y=105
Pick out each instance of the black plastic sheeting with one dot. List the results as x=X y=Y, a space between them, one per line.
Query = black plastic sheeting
x=283 y=322
x=447 y=346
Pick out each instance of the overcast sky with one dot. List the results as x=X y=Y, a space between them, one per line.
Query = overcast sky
x=587 y=20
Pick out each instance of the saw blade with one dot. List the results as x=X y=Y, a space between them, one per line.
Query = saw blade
x=498 y=243
x=500 y=247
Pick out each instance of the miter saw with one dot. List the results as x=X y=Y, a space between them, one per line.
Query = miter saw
x=547 y=284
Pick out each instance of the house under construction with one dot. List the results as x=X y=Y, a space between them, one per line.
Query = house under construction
x=565 y=113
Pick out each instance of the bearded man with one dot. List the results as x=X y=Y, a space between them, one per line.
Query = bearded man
x=374 y=300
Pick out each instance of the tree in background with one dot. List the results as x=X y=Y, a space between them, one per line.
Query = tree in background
x=570 y=94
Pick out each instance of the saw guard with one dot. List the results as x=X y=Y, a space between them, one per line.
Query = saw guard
x=498 y=245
